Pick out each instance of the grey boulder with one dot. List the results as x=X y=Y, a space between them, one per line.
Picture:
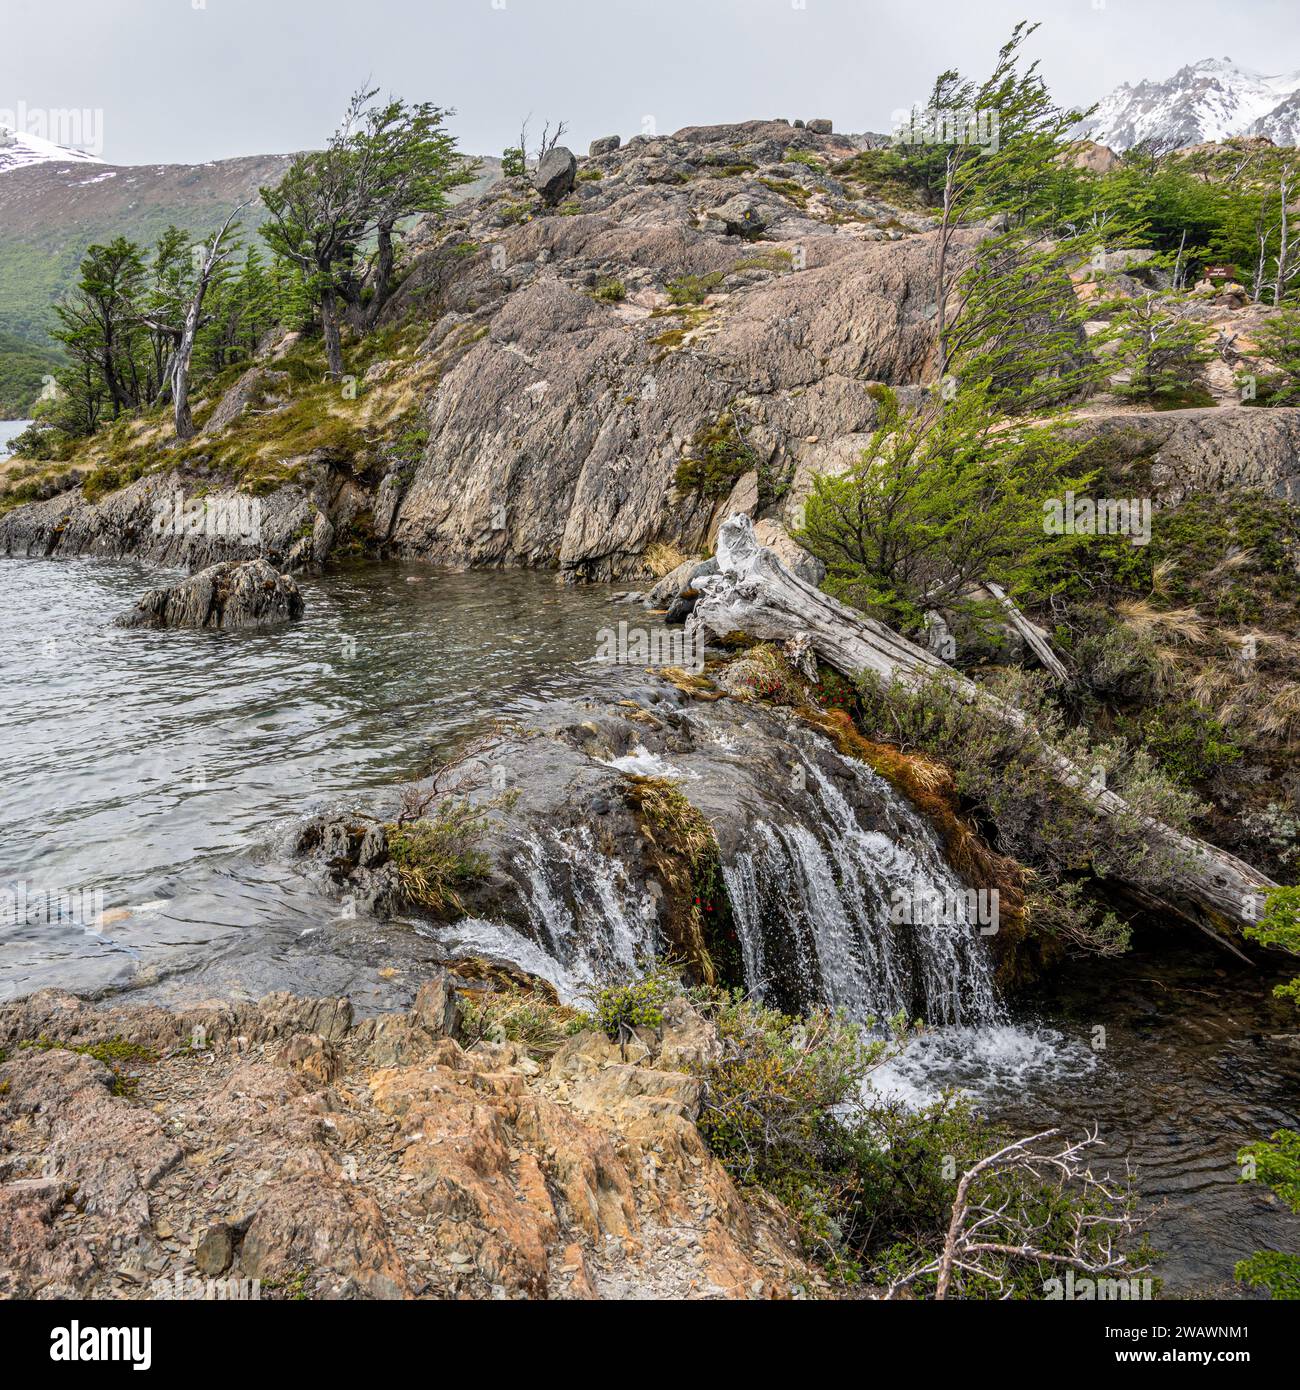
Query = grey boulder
x=554 y=176
x=739 y=217
x=247 y=594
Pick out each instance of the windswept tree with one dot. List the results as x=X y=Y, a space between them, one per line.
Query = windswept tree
x=99 y=325
x=416 y=165
x=384 y=163
x=945 y=497
x=987 y=150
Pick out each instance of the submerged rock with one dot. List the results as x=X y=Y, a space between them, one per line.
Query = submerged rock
x=225 y=596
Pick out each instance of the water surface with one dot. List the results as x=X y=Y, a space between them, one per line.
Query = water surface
x=9 y=431
x=163 y=769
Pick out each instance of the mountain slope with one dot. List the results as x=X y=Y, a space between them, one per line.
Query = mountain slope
x=1210 y=100
x=54 y=204
x=52 y=210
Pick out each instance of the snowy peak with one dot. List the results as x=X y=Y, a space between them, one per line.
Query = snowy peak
x=20 y=151
x=1210 y=100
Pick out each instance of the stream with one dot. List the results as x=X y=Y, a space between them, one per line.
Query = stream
x=161 y=775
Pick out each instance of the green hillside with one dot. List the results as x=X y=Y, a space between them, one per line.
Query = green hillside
x=50 y=214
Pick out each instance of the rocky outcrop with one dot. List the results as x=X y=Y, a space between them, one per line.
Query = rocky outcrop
x=285 y=1143
x=224 y=596
x=555 y=435
x=1179 y=452
x=257 y=384
x=187 y=519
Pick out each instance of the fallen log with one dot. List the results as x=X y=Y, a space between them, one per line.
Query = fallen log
x=1031 y=635
x=754 y=594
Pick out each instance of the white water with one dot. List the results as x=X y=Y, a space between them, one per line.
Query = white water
x=829 y=891
x=991 y=1063
x=813 y=899
x=602 y=927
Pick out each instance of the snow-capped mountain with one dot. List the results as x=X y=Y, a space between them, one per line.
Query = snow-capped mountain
x=1210 y=100
x=20 y=151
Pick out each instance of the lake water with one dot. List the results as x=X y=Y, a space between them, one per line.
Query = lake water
x=162 y=770
x=9 y=431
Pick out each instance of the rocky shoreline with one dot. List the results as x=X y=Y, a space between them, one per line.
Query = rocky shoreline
x=285 y=1149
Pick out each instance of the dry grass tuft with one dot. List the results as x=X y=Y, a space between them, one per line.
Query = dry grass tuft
x=663 y=557
x=1149 y=621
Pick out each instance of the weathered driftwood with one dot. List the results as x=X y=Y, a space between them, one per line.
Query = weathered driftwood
x=1031 y=634
x=754 y=593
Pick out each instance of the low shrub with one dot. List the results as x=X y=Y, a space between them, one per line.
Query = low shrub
x=438 y=854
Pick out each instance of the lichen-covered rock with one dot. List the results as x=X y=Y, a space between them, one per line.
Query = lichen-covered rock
x=224 y=596
x=607 y=144
x=458 y=1173
x=739 y=216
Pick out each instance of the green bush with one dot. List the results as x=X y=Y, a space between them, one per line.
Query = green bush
x=617 y=1010
x=694 y=289
x=719 y=457
x=438 y=854
x=1275 y=1162
x=610 y=291
x=1185 y=738
x=870 y=1183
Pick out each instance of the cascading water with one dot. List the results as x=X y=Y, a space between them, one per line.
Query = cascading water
x=838 y=894
x=844 y=916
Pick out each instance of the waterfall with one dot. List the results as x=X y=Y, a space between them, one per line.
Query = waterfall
x=819 y=920
x=839 y=895
x=584 y=906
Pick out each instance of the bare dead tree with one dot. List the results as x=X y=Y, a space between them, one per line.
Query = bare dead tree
x=1178 y=263
x=998 y=1216
x=550 y=141
x=1288 y=261
x=215 y=254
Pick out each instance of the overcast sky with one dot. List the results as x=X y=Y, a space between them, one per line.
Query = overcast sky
x=192 y=80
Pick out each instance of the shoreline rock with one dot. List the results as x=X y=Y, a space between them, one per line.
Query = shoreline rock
x=224 y=596
x=286 y=1143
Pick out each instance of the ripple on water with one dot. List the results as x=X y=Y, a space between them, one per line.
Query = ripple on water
x=157 y=768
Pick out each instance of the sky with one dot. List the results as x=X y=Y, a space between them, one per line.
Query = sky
x=185 y=81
